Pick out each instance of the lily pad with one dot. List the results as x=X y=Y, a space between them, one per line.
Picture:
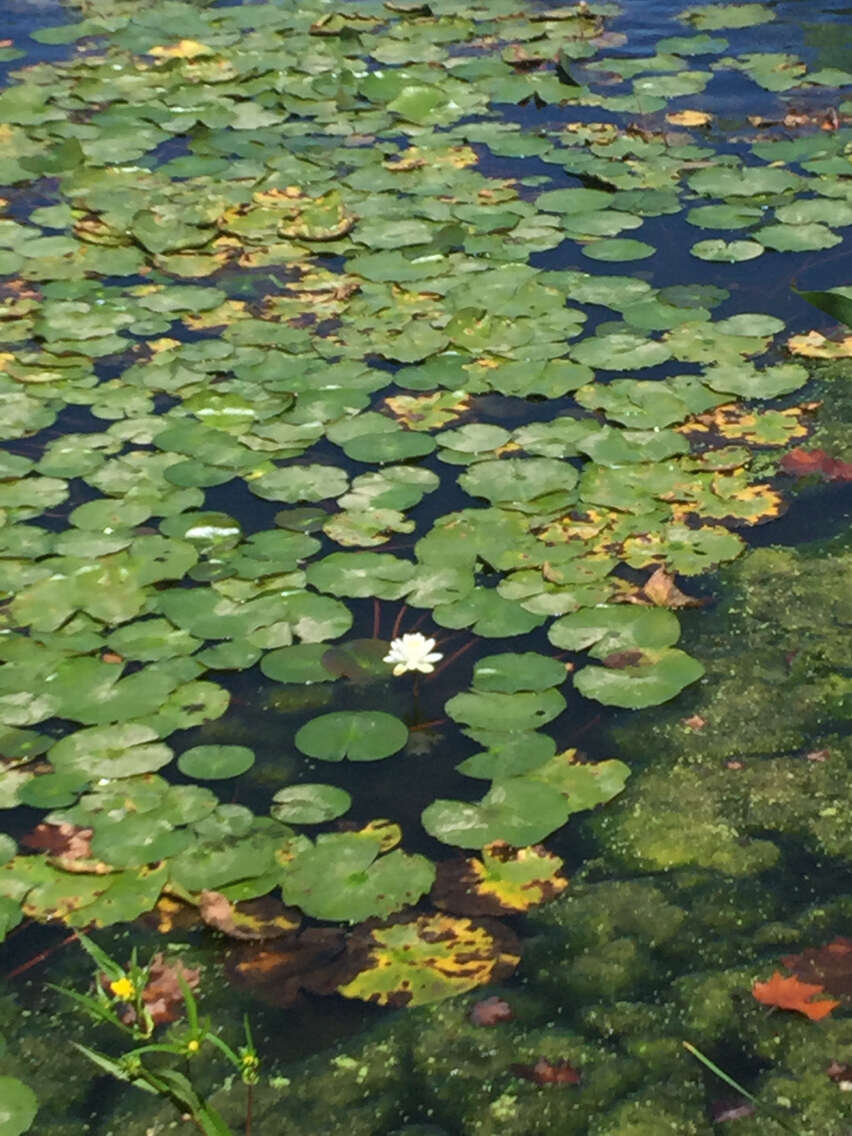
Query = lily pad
x=430 y=958
x=658 y=677
x=18 y=1107
x=516 y=810
x=363 y=735
x=215 y=762
x=310 y=804
x=343 y=877
x=504 y=881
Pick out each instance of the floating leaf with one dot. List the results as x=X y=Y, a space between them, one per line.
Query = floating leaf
x=649 y=680
x=343 y=878
x=310 y=804
x=253 y=919
x=430 y=958
x=364 y=735
x=793 y=994
x=515 y=810
x=18 y=1107
x=215 y=762
x=505 y=880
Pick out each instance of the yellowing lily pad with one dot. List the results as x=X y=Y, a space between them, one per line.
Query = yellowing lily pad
x=430 y=958
x=505 y=880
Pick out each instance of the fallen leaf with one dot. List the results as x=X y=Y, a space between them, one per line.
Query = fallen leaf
x=694 y=722
x=546 y=1072
x=830 y=965
x=491 y=1011
x=163 y=995
x=314 y=961
x=801 y=463
x=841 y=1074
x=725 y=1110
x=662 y=591
x=792 y=994
x=68 y=846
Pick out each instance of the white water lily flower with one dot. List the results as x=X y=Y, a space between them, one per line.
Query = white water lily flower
x=412 y=653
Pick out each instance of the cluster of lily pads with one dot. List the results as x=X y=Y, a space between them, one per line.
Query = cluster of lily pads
x=266 y=306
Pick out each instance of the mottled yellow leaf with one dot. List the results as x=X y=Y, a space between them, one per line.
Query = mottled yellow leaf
x=689 y=118
x=813 y=345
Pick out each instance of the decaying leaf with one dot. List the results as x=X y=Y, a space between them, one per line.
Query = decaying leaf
x=689 y=118
x=162 y=995
x=694 y=722
x=830 y=965
x=802 y=463
x=545 y=1072
x=505 y=880
x=264 y=918
x=490 y=1012
x=314 y=960
x=430 y=411
x=813 y=345
x=68 y=846
x=429 y=958
x=793 y=994
x=661 y=590
x=841 y=1074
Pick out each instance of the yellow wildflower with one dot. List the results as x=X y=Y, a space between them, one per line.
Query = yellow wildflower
x=123 y=988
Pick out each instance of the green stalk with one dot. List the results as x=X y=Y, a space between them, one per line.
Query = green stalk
x=723 y=1076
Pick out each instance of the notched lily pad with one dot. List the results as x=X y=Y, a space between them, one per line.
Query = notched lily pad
x=363 y=735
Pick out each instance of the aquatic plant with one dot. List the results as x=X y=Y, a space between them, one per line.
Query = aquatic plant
x=120 y=1000
x=263 y=291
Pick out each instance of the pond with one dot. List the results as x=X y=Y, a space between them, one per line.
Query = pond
x=423 y=540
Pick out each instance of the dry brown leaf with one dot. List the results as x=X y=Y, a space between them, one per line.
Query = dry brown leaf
x=661 y=589
x=490 y=1012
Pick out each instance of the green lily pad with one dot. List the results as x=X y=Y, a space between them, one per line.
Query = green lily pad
x=616 y=627
x=658 y=677
x=300 y=663
x=491 y=710
x=618 y=248
x=52 y=790
x=516 y=810
x=18 y=1107
x=730 y=251
x=509 y=673
x=215 y=762
x=310 y=804
x=711 y=16
x=343 y=877
x=364 y=735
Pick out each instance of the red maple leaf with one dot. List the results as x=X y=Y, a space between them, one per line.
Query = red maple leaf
x=793 y=994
